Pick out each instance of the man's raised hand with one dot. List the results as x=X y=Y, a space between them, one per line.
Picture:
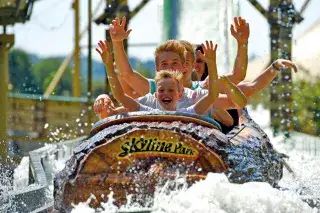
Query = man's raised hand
x=105 y=52
x=209 y=52
x=118 y=30
x=240 y=30
x=283 y=63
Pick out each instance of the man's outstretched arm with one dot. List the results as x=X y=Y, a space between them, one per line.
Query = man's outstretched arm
x=234 y=98
x=118 y=33
x=240 y=31
x=265 y=78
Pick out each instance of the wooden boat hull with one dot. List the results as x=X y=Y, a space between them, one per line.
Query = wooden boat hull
x=133 y=153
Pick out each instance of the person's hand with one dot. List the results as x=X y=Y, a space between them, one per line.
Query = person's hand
x=104 y=107
x=240 y=30
x=283 y=63
x=209 y=52
x=105 y=52
x=118 y=31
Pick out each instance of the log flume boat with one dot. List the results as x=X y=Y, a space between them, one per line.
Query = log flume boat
x=133 y=153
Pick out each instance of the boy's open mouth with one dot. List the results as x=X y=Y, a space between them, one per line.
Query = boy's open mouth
x=166 y=100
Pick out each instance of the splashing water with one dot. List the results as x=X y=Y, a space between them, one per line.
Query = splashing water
x=5 y=187
x=209 y=19
x=217 y=194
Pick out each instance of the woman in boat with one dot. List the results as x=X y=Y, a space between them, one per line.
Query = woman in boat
x=226 y=118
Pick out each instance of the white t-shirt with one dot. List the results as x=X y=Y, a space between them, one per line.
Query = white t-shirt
x=189 y=98
x=187 y=110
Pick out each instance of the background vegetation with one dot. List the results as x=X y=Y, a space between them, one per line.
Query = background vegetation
x=306 y=105
x=30 y=74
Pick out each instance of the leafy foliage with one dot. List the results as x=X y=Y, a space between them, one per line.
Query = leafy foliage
x=44 y=72
x=30 y=74
x=306 y=105
x=20 y=73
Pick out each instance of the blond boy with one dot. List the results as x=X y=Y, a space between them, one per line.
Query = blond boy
x=168 y=90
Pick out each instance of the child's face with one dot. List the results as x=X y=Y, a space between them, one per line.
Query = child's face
x=168 y=94
x=169 y=61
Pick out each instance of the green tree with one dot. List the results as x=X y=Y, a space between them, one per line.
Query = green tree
x=21 y=77
x=44 y=72
x=306 y=106
x=306 y=102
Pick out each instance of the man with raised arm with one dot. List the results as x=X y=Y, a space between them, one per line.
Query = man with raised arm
x=170 y=60
x=168 y=86
x=174 y=60
x=169 y=55
x=190 y=97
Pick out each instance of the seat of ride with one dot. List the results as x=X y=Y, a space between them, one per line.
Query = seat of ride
x=164 y=116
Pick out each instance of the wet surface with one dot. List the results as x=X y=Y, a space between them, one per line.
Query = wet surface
x=247 y=151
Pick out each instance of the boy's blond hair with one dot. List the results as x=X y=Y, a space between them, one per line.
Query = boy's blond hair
x=171 y=46
x=189 y=48
x=163 y=74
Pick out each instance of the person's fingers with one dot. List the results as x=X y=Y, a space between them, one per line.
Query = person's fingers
x=295 y=68
x=242 y=22
x=248 y=26
x=98 y=51
x=236 y=22
x=100 y=45
x=124 y=21
x=117 y=21
x=289 y=64
x=104 y=47
x=211 y=45
x=207 y=44
x=128 y=32
x=232 y=29
x=215 y=47
x=204 y=48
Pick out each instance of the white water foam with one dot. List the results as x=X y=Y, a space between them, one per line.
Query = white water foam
x=217 y=194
